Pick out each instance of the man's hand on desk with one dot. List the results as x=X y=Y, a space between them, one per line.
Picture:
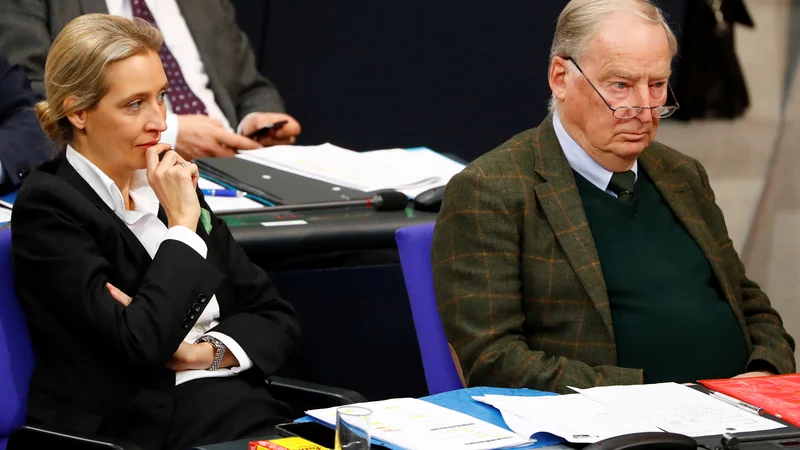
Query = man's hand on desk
x=754 y=374
x=285 y=136
x=200 y=136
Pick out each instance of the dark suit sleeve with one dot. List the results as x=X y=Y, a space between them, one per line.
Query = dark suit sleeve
x=773 y=347
x=61 y=269
x=25 y=37
x=478 y=284
x=264 y=325
x=251 y=91
x=23 y=144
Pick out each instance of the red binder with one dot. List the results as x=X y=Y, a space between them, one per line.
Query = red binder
x=776 y=395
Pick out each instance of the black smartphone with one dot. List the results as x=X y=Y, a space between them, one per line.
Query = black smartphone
x=315 y=432
x=267 y=129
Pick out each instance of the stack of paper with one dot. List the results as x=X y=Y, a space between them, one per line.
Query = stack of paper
x=410 y=172
x=680 y=409
x=604 y=412
x=573 y=417
x=418 y=425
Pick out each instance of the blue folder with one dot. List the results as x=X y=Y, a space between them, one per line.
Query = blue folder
x=10 y=197
x=461 y=401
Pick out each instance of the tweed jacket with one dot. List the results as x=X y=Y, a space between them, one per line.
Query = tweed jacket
x=518 y=278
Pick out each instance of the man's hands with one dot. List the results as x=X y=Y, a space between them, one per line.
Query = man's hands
x=286 y=135
x=174 y=181
x=200 y=136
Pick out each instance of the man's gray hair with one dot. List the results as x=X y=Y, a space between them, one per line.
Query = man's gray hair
x=580 y=19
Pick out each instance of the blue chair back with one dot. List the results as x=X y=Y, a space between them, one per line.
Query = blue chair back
x=16 y=353
x=414 y=244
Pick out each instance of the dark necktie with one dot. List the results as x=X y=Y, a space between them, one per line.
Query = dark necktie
x=181 y=97
x=622 y=185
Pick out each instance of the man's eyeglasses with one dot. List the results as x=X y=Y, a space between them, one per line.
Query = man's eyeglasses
x=629 y=112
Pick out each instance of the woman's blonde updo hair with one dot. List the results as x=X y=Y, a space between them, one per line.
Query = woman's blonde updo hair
x=77 y=62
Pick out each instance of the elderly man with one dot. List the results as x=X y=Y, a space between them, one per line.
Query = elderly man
x=582 y=253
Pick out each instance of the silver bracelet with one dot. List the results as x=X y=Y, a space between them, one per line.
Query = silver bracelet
x=220 y=350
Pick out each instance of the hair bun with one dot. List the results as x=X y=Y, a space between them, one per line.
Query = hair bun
x=55 y=129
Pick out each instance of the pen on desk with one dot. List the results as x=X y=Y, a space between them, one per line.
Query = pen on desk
x=222 y=193
x=737 y=403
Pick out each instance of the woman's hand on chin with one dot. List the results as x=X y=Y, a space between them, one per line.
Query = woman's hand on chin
x=174 y=181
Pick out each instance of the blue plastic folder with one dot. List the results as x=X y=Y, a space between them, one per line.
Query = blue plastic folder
x=461 y=401
x=10 y=197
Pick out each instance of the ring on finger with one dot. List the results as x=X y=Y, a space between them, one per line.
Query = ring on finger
x=182 y=164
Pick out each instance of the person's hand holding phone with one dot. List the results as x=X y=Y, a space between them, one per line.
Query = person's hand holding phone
x=270 y=128
x=201 y=136
x=174 y=181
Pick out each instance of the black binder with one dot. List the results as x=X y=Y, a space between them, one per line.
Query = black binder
x=275 y=186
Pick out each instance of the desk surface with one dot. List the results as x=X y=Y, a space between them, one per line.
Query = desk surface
x=711 y=442
x=333 y=230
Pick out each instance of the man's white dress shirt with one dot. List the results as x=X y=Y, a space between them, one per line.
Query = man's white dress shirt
x=581 y=162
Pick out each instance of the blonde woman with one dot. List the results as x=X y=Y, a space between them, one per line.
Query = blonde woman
x=148 y=321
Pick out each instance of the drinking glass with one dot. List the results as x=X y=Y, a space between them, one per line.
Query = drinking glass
x=352 y=428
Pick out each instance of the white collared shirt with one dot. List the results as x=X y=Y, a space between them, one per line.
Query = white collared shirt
x=180 y=42
x=581 y=162
x=151 y=232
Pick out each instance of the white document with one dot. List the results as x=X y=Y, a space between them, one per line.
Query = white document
x=5 y=215
x=410 y=172
x=418 y=425
x=221 y=204
x=573 y=417
x=679 y=409
x=425 y=163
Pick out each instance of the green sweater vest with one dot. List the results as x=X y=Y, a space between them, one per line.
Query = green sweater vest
x=669 y=317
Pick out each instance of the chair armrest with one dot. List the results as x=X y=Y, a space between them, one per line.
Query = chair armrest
x=303 y=395
x=38 y=436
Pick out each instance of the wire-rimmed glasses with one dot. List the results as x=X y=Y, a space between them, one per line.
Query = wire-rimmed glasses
x=629 y=112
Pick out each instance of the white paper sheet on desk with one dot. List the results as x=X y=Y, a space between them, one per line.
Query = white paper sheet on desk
x=424 y=162
x=221 y=204
x=573 y=417
x=410 y=172
x=415 y=424
x=679 y=409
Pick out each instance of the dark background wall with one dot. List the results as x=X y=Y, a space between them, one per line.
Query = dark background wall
x=458 y=76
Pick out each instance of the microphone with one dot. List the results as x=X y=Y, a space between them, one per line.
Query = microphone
x=382 y=201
